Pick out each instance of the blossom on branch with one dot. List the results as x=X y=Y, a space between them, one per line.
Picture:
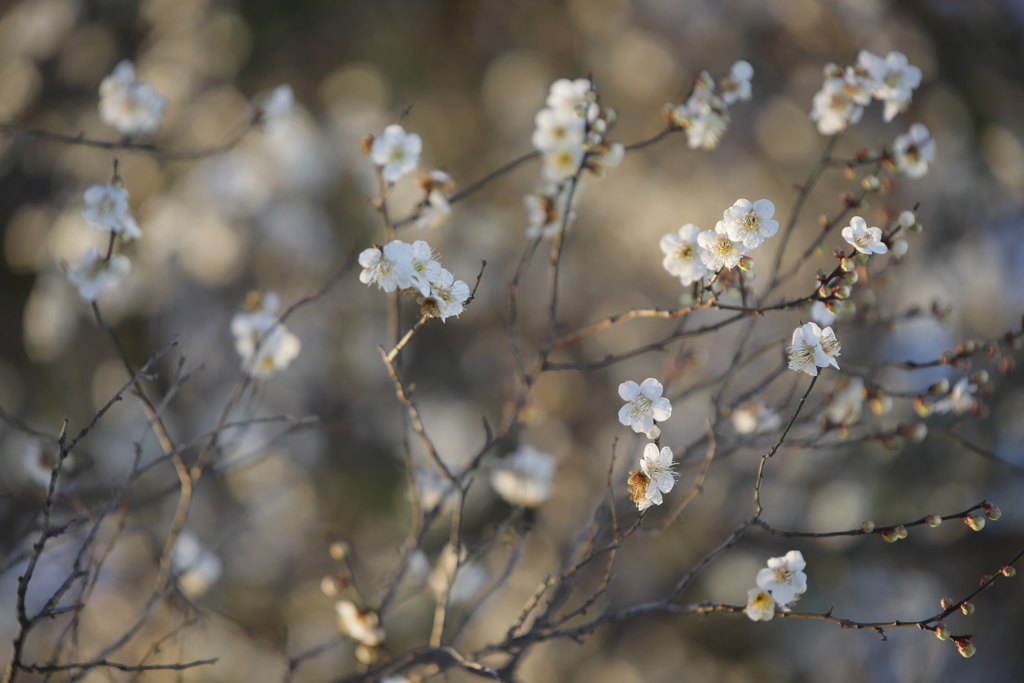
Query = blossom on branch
x=131 y=106
x=683 y=255
x=760 y=605
x=644 y=404
x=749 y=223
x=893 y=80
x=914 y=150
x=362 y=626
x=864 y=239
x=106 y=207
x=264 y=345
x=719 y=250
x=95 y=274
x=390 y=268
x=813 y=348
x=784 y=578
x=654 y=477
x=396 y=152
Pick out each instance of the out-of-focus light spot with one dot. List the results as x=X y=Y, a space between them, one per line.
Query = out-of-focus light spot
x=599 y=18
x=359 y=81
x=19 y=84
x=50 y=318
x=38 y=26
x=25 y=238
x=514 y=89
x=86 y=56
x=1005 y=157
x=784 y=130
x=211 y=250
x=642 y=66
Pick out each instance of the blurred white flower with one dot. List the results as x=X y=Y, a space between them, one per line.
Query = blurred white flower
x=864 y=239
x=562 y=162
x=914 y=150
x=654 y=478
x=846 y=404
x=760 y=605
x=569 y=95
x=749 y=223
x=960 y=399
x=437 y=212
x=278 y=108
x=719 y=250
x=524 y=478
x=682 y=255
x=546 y=211
x=736 y=86
x=94 y=274
x=755 y=418
x=131 y=106
x=558 y=128
x=264 y=345
x=446 y=298
x=197 y=569
x=784 y=577
x=397 y=152
x=106 y=206
x=361 y=626
x=644 y=404
x=37 y=462
x=391 y=268
x=821 y=315
x=893 y=80
x=469 y=577
x=834 y=107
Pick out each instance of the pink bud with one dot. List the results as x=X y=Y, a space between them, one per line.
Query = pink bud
x=966 y=647
x=946 y=603
x=967 y=607
x=941 y=631
x=975 y=521
x=991 y=511
x=1008 y=571
x=933 y=520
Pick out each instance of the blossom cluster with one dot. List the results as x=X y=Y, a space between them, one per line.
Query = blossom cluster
x=415 y=269
x=691 y=253
x=644 y=405
x=813 y=348
x=654 y=477
x=131 y=106
x=780 y=584
x=570 y=135
x=264 y=344
x=845 y=92
x=705 y=114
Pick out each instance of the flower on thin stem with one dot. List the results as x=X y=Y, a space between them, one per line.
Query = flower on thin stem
x=644 y=404
x=396 y=152
x=914 y=150
x=785 y=578
x=683 y=255
x=654 y=477
x=525 y=477
x=813 y=348
x=94 y=274
x=864 y=239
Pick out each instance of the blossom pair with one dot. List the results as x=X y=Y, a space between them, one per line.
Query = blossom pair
x=414 y=268
x=845 y=92
x=264 y=344
x=813 y=348
x=705 y=114
x=779 y=584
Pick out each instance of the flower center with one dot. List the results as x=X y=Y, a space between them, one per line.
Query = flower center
x=641 y=405
x=784 y=575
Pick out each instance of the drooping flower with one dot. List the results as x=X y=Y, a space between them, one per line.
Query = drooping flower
x=654 y=477
x=960 y=399
x=131 y=106
x=391 y=267
x=644 y=404
x=362 y=626
x=894 y=80
x=719 y=250
x=396 y=152
x=749 y=223
x=914 y=150
x=864 y=239
x=736 y=86
x=197 y=568
x=94 y=274
x=446 y=298
x=784 y=578
x=760 y=605
x=525 y=478
x=682 y=255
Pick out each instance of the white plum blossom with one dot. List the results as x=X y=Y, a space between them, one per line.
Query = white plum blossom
x=821 y=315
x=894 y=80
x=864 y=239
x=569 y=95
x=525 y=478
x=425 y=266
x=654 y=477
x=95 y=274
x=846 y=404
x=437 y=212
x=391 y=267
x=558 y=128
x=682 y=255
x=760 y=605
x=359 y=625
x=446 y=298
x=960 y=399
x=784 y=578
x=264 y=345
x=813 y=348
x=704 y=116
x=644 y=404
x=749 y=223
x=736 y=86
x=562 y=162
x=547 y=212
x=719 y=250
x=131 y=106
x=914 y=150
x=197 y=568
x=835 y=106
x=106 y=206
x=755 y=418
x=396 y=152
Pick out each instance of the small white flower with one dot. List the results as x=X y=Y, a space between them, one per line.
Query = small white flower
x=562 y=161
x=806 y=353
x=437 y=213
x=914 y=150
x=612 y=155
x=644 y=404
x=558 y=128
x=197 y=569
x=569 y=95
x=525 y=478
x=908 y=219
x=426 y=268
x=893 y=80
x=447 y=296
x=397 y=152
x=391 y=268
x=361 y=626
x=264 y=345
x=960 y=399
x=749 y=223
x=755 y=418
x=760 y=605
x=277 y=349
x=864 y=239
x=821 y=315
x=105 y=206
x=736 y=86
x=131 y=106
x=547 y=212
x=834 y=107
x=682 y=255
x=784 y=577
x=846 y=404
x=93 y=274
x=719 y=250
x=654 y=478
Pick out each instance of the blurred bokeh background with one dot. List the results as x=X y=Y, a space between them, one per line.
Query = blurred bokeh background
x=285 y=209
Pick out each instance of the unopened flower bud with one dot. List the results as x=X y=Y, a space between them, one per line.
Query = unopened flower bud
x=933 y=520
x=941 y=631
x=862 y=259
x=991 y=511
x=871 y=183
x=919 y=432
x=1008 y=571
x=746 y=263
x=833 y=70
x=654 y=433
x=851 y=277
x=338 y=550
x=332 y=585
x=922 y=408
x=889 y=536
x=985 y=578
x=821 y=275
x=848 y=198
x=915 y=228
x=900 y=247
x=940 y=387
x=946 y=603
x=841 y=292
x=965 y=647
x=847 y=264
x=907 y=218
x=980 y=377
x=901 y=531
x=967 y=607
x=975 y=521
x=867 y=527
